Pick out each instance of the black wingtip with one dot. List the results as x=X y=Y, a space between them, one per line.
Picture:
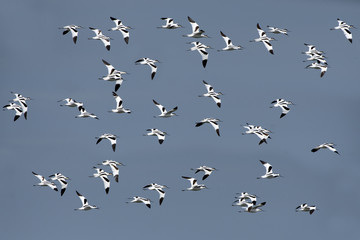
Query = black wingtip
x=62 y=191
x=219 y=105
x=218 y=132
x=271 y=51
x=152 y=75
x=113 y=147
x=148 y=205
x=16 y=117
x=350 y=40
x=204 y=62
x=116 y=178
x=74 y=39
x=161 y=200
x=282 y=115
x=108 y=47
x=126 y=40
x=161 y=141
x=107 y=190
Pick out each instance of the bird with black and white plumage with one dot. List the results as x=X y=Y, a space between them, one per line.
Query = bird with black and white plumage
x=113 y=75
x=86 y=114
x=283 y=104
x=318 y=65
x=143 y=200
x=170 y=23
x=73 y=29
x=229 y=45
x=268 y=171
x=119 y=26
x=211 y=93
x=312 y=50
x=85 y=204
x=100 y=36
x=345 y=28
x=114 y=167
x=194 y=186
x=164 y=113
x=44 y=183
x=212 y=121
x=110 y=137
x=260 y=132
x=17 y=108
x=316 y=57
x=150 y=63
x=201 y=48
x=62 y=180
x=70 y=102
x=100 y=173
x=207 y=171
x=329 y=146
x=306 y=208
x=156 y=132
x=245 y=196
x=159 y=188
x=253 y=208
x=196 y=31
x=22 y=101
x=277 y=30
x=119 y=105
x=264 y=39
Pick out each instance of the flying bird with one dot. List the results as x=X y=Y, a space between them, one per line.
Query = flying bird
x=150 y=63
x=269 y=173
x=17 y=108
x=73 y=29
x=170 y=24
x=260 y=132
x=318 y=65
x=85 y=114
x=62 y=180
x=201 y=48
x=254 y=208
x=207 y=171
x=196 y=31
x=22 y=101
x=156 y=132
x=283 y=104
x=72 y=103
x=159 y=188
x=110 y=137
x=211 y=93
x=212 y=121
x=277 y=30
x=194 y=186
x=329 y=146
x=114 y=167
x=119 y=105
x=164 y=112
x=85 y=204
x=99 y=36
x=143 y=200
x=119 y=26
x=306 y=208
x=113 y=75
x=45 y=183
x=103 y=175
x=345 y=28
x=264 y=39
x=229 y=45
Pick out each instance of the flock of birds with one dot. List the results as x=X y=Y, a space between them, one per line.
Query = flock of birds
x=247 y=201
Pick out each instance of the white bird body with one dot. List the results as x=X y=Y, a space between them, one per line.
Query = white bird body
x=22 y=101
x=45 y=183
x=150 y=63
x=85 y=114
x=212 y=121
x=196 y=31
x=264 y=39
x=159 y=188
x=283 y=104
x=252 y=208
x=269 y=173
x=17 y=108
x=201 y=48
x=170 y=24
x=229 y=45
x=164 y=112
x=211 y=93
x=62 y=180
x=119 y=26
x=156 y=132
x=277 y=30
x=318 y=65
x=119 y=105
x=306 y=208
x=207 y=171
x=100 y=36
x=73 y=29
x=114 y=167
x=138 y=199
x=345 y=28
x=194 y=186
x=110 y=137
x=103 y=175
x=260 y=132
x=113 y=75
x=85 y=204
x=72 y=103
x=329 y=146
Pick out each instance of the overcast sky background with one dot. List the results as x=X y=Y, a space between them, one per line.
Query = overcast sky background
x=39 y=62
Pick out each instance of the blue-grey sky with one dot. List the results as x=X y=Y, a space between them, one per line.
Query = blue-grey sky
x=39 y=62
